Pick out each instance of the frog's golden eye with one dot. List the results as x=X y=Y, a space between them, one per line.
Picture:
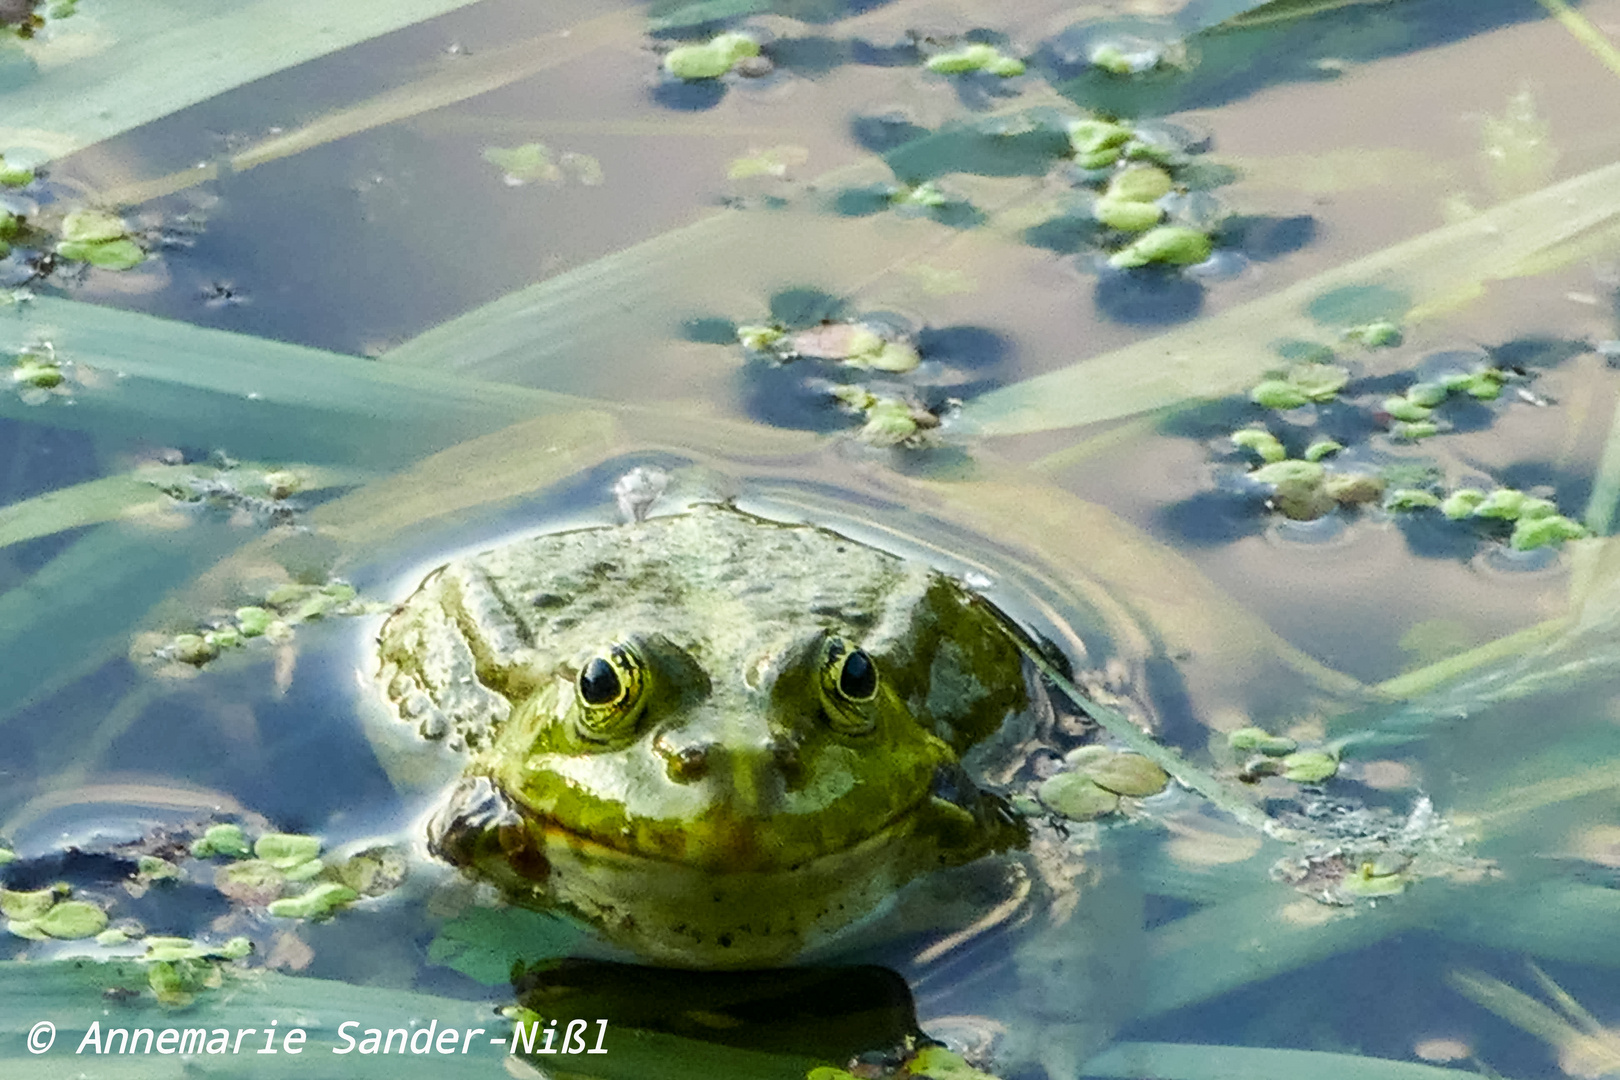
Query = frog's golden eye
x=849 y=681
x=611 y=687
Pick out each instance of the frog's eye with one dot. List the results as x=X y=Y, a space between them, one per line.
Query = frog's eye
x=849 y=680
x=610 y=687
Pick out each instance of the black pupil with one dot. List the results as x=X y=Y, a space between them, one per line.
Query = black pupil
x=599 y=683
x=858 y=679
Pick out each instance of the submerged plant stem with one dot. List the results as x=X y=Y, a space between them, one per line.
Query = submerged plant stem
x=1584 y=32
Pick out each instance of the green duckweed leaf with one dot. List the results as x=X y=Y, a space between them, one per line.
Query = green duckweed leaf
x=1172 y=245
x=1292 y=471
x=73 y=919
x=286 y=850
x=1309 y=766
x=319 y=902
x=1433 y=273
x=1126 y=215
x=26 y=906
x=1322 y=448
x=1077 y=797
x=1410 y=499
x=1263 y=443
x=1127 y=774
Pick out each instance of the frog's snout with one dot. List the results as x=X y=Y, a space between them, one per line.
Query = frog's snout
x=750 y=769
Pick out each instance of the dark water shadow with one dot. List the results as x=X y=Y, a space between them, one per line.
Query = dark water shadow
x=1147 y=296
x=831 y=1013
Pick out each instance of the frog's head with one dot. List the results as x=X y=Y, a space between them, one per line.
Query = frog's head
x=716 y=765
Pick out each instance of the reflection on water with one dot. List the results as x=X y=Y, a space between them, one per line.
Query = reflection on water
x=1435 y=661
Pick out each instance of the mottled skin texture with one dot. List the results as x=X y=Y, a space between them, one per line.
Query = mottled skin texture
x=754 y=787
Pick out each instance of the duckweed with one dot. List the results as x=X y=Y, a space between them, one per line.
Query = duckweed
x=226 y=839
x=1263 y=443
x=1405 y=499
x=193 y=649
x=710 y=60
x=35 y=374
x=1140 y=183
x=319 y=902
x=45 y=913
x=284 y=607
x=1401 y=408
x=1365 y=882
x=100 y=239
x=1532 y=533
x=286 y=850
x=253 y=621
x=177 y=982
x=1321 y=448
x=890 y=419
x=759 y=338
x=1126 y=215
x=975 y=57
x=1290 y=471
x=1536 y=521
x=152 y=868
x=1098 y=143
x=1380 y=334
x=1353 y=489
x=926 y=194
x=73 y=919
x=26 y=906
x=1309 y=766
x=1413 y=431
x=1117 y=59
x=1171 y=245
x=1077 y=797
x=14 y=175
x=1258 y=740
x=1300 y=384
x=1127 y=774
x=940 y=1063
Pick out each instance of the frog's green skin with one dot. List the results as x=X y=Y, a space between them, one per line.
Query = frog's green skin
x=736 y=806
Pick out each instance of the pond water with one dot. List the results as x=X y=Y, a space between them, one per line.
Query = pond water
x=410 y=280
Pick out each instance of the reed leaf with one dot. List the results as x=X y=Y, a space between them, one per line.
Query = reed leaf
x=113 y=67
x=254 y=397
x=1213 y=357
x=126 y=495
x=463 y=79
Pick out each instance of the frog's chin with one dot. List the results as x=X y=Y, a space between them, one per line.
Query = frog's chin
x=684 y=914
x=680 y=914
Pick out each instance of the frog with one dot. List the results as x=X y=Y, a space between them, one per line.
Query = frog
x=722 y=740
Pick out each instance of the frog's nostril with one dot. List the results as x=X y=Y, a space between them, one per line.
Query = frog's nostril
x=785 y=756
x=687 y=764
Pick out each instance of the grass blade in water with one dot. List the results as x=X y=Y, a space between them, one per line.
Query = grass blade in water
x=1221 y=355
x=254 y=397
x=128 y=494
x=114 y=67
x=85 y=601
x=466 y=78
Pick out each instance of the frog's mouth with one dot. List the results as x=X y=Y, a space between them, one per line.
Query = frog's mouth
x=480 y=827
